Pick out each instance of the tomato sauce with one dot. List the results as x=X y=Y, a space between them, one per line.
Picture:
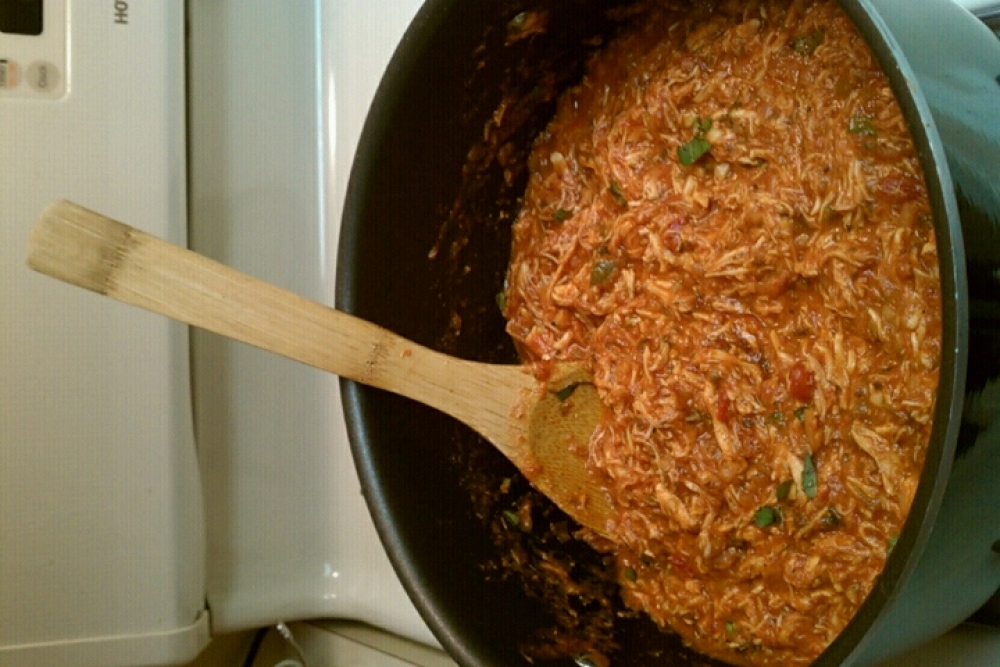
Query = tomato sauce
x=727 y=224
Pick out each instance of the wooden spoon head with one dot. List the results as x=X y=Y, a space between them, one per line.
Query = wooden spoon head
x=559 y=428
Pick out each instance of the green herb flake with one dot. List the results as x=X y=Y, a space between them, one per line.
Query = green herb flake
x=777 y=418
x=692 y=151
x=502 y=300
x=511 y=518
x=616 y=192
x=696 y=416
x=764 y=516
x=703 y=125
x=602 y=271
x=730 y=628
x=781 y=493
x=562 y=215
x=566 y=391
x=809 y=477
x=861 y=125
x=806 y=45
x=800 y=413
x=630 y=574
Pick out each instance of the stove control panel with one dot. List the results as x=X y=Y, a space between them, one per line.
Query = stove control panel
x=33 y=61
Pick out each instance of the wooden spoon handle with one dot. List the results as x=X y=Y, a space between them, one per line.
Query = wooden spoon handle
x=84 y=248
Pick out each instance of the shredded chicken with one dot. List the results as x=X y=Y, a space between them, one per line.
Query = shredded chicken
x=727 y=223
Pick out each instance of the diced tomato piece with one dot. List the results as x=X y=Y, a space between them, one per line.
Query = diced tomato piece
x=723 y=407
x=679 y=562
x=801 y=383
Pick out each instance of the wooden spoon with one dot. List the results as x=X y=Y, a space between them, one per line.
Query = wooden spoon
x=530 y=419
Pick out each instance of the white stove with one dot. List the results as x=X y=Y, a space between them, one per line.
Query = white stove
x=276 y=97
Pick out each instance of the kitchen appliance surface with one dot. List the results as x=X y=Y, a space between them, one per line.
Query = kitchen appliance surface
x=158 y=485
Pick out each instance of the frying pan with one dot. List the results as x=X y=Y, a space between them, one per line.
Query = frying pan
x=424 y=247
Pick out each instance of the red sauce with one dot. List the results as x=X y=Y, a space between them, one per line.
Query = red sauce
x=727 y=224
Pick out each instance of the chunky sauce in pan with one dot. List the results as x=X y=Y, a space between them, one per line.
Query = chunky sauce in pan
x=727 y=222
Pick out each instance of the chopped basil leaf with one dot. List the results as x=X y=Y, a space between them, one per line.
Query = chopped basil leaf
x=690 y=152
x=616 y=192
x=776 y=417
x=783 y=490
x=806 y=45
x=511 y=518
x=601 y=272
x=764 y=516
x=730 y=627
x=562 y=215
x=703 y=125
x=630 y=574
x=809 y=477
x=697 y=416
x=831 y=519
x=861 y=125
x=566 y=391
x=800 y=413
x=502 y=300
